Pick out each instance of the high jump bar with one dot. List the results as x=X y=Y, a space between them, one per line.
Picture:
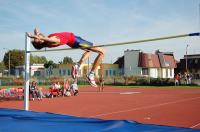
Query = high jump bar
x=125 y=43
x=28 y=51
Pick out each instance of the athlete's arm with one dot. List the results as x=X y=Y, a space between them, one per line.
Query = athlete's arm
x=50 y=40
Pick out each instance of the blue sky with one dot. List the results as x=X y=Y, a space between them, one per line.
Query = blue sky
x=101 y=22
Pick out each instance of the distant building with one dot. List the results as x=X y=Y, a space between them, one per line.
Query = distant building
x=38 y=70
x=120 y=63
x=35 y=70
x=193 y=65
x=65 y=70
x=138 y=63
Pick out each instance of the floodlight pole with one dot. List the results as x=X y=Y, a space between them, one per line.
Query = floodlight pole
x=27 y=72
x=186 y=59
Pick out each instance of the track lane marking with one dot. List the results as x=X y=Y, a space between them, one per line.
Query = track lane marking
x=145 y=107
x=195 y=125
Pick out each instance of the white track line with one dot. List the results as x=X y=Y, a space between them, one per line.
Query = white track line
x=145 y=107
x=110 y=92
x=195 y=125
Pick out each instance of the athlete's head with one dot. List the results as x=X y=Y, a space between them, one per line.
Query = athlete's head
x=38 y=43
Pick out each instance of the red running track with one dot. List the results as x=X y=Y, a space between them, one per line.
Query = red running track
x=178 y=107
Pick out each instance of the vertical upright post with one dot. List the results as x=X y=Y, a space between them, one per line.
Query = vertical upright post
x=9 y=64
x=88 y=70
x=186 y=59
x=27 y=72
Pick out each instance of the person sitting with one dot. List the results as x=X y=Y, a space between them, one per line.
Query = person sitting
x=58 y=88
x=66 y=88
x=34 y=90
x=53 y=91
x=74 y=87
x=40 y=93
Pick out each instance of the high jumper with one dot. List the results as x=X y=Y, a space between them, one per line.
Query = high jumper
x=40 y=41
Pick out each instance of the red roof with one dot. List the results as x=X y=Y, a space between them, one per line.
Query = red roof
x=170 y=61
x=148 y=60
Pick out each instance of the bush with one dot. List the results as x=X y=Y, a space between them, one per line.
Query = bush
x=143 y=81
x=161 y=81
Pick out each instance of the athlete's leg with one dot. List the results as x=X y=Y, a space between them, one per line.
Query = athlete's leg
x=84 y=56
x=75 y=68
x=99 y=58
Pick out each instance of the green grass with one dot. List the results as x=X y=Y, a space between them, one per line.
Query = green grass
x=11 y=86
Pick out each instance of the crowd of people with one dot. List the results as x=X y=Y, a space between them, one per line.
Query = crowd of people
x=54 y=90
x=186 y=77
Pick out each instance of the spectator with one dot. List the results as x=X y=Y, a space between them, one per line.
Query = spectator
x=74 y=87
x=57 y=85
x=177 y=79
x=66 y=88
x=40 y=93
x=186 y=78
x=58 y=88
x=53 y=90
x=34 y=90
x=189 y=78
x=101 y=81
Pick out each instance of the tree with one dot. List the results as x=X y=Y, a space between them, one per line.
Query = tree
x=67 y=60
x=38 y=59
x=49 y=66
x=16 y=58
x=2 y=67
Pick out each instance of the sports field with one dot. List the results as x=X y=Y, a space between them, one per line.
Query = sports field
x=171 y=106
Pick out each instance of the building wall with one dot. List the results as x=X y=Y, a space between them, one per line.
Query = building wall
x=153 y=72
x=65 y=70
x=167 y=73
x=131 y=58
x=35 y=70
x=110 y=70
x=160 y=74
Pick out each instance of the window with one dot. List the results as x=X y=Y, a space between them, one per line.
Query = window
x=64 y=72
x=114 y=72
x=68 y=72
x=60 y=72
x=37 y=73
x=167 y=73
x=196 y=61
x=106 y=72
x=190 y=61
x=145 y=71
x=110 y=72
x=170 y=70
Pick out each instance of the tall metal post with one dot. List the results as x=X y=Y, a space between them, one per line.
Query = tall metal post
x=8 y=61
x=9 y=64
x=27 y=72
x=186 y=59
x=88 y=70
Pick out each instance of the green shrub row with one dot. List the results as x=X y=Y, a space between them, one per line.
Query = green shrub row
x=122 y=80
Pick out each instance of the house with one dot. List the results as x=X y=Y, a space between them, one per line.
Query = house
x=157 y=65
x=35 y=70
x=120 y=63
x=38 y=70
x=60 y=70
x=65 y=70
x=193 y=65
